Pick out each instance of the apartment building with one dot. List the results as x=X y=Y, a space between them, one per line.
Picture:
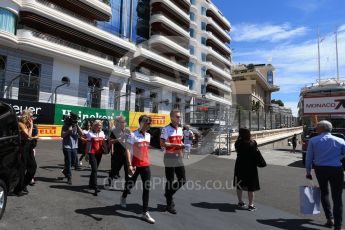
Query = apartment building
x=135 y=55
x=253 y=86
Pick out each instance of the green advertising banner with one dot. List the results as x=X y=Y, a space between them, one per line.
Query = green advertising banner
x=86 y=112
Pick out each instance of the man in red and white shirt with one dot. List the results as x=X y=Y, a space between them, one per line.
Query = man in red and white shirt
x=139 y=164
x=171 y=143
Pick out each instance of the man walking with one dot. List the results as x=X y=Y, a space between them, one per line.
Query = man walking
x=171 y=143
x=70 y=133
x=118 y=137
x=139 y=164
x=324 y=151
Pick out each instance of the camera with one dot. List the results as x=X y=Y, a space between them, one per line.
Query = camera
x=71 y=119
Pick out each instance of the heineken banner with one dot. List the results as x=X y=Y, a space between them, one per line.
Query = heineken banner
x=86 y=112
x=44 y=111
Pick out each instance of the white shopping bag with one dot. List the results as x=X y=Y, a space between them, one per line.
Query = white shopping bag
x=309 y=197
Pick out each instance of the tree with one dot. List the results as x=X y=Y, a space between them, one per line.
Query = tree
x=277 y=102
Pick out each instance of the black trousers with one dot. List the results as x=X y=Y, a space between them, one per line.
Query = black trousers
x=118 y=159
x=173 y=165
x=28 y=166
x=335 y=177
x=145 y=174
x=94 y=161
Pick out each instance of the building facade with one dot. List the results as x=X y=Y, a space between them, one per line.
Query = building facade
x=253 y=86
x=135 y=55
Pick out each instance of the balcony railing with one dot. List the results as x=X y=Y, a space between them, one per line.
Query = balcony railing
x=62 y=42
x=66 y=11
x=108 y=2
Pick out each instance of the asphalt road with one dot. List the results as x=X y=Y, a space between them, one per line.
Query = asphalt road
x=208 y=200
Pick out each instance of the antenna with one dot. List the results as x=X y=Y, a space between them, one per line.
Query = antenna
x=318 y=52
x=336 y=51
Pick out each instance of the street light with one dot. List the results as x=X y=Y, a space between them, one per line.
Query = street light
x=65 y=81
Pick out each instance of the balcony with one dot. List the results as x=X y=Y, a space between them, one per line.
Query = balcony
x=181 y=15
x=218 y=71
x=8 y=39
x=146 y=55
x=158 y=18
x=46 y=15
x=214 y=13
x=161 y=82
x=48 y=45
x=219 y=85
x=183 y=4
x=218 y=56
x=172 y=46
x=218 y=31
x=218 y=99
x=221 y=44
x=92 y=9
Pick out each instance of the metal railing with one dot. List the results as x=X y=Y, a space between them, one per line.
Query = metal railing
x=66 y=11
x=60 y=41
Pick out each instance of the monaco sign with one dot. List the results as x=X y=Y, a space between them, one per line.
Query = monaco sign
x=324 y=105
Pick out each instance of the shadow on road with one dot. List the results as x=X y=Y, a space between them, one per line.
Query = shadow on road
x=297 y=164
x=81 y=188
x=288 y=150
x=50 y=180
x=51 y=168
x=223 y=207
x=114 y=211
x=295 y=224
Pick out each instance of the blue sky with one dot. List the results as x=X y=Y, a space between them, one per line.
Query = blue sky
x=284 y=33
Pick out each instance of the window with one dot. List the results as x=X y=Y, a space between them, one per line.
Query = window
x=139 y=100
x=191 y=50
x=114 y=95
x=203 y=10
x=94 y=93
x=203 y=72
x=192 y=67
x=153 y=102
x=177 y=103
x=191 y=84
x=2 y=74
x=203 y=25
x=192 y=16
x=203 y=57
x=203 y=41
x=8 y=21
x=192 y=32
x=192 y=2
x=29 y=81
x=203 y=89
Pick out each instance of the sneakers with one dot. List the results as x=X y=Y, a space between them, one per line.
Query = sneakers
x=242 y=205
x=80 y=163
x=329 y=223
x=251 y=208
x=146 y=216
x=123 y=202
x=171 y=209
x=69 y=180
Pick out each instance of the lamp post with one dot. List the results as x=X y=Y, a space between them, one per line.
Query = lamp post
x=65 y=81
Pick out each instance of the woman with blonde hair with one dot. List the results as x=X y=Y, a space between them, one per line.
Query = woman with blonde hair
x=96 y=146
x=28 y=163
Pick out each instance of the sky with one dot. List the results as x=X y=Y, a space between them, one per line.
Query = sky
x=285 y=34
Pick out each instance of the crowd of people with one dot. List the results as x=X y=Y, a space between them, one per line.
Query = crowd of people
x=130 y=150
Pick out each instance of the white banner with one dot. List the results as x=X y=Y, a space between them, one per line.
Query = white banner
x=324 y=105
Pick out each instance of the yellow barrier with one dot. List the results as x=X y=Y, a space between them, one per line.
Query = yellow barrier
x=49 y=130
x=158 y=120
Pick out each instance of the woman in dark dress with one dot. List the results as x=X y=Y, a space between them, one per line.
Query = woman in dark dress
x=246 y=172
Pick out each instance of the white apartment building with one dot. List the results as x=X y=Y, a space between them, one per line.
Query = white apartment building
x=136 y=55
